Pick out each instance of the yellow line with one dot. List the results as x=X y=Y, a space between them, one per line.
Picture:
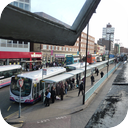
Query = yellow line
x=9 y=108
x=15 y=113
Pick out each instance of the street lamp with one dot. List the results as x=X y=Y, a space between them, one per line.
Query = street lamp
x=109 y=51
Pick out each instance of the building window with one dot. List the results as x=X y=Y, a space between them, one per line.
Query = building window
x=21 y=0
x=26 y=7
x=63 y=48
x=15 y=4
x=49 y=47
x=20 y=42
x=25 y=42
x=21 y=5
x=52 y=47
x=70 y=49
x=44 y=46
x=56 y=47
x=14 y=41
x=66 y=49
x=60 y=48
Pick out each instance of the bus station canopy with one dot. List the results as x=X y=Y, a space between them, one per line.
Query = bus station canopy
x=64 y=76
x=21 y=25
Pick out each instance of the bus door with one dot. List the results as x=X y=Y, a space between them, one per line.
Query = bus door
x=42 y=90
x=34 y=91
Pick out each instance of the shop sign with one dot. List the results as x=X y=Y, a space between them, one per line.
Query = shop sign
x=60 y=55
x=36 y=55
x=44 y=71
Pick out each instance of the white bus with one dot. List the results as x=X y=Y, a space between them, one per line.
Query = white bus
x=75 y=66
x=6 y=72
x=32 y=88
x=99 y=59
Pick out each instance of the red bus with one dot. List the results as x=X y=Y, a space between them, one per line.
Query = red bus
x=91 y=58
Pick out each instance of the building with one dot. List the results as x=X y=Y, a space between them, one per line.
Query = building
x=106 y=32
x=18 y=52
x=105 y=43
x=116 y=49
x=58 y=53
x=98 y=49
x=14 y=45
x=123 y=50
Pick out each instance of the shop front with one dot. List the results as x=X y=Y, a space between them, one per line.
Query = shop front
x=60 y=58
x=22 y=58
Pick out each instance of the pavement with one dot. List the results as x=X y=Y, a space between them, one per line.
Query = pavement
x=38 y=113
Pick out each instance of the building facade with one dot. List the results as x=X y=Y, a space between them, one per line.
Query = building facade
x=58 y=53
x=106 y=43
x=98 y=49
x=14 y=45
x=106 y=32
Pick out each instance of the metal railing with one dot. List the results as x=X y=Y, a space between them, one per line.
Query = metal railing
x=89 y=93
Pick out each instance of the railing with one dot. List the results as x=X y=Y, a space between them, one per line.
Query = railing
x=97 y=84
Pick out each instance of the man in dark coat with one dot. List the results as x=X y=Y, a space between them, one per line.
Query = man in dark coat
x=92 y=79
x=62 y=92
x=53 y=94
x=97 y=71
x=101 y=74
x=81 y=88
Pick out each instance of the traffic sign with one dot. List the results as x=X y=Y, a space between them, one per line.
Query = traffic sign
x=21 y=82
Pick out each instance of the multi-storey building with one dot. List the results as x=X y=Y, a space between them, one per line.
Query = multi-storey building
x=58 y=53
x=53 y=52
x=13 y=51
x=103 y=42
x=108 y=32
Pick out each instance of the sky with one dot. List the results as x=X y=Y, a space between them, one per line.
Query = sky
x=114 y=12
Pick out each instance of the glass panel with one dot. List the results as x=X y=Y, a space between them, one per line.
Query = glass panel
x=15 y=4
x=26 y=88
x=27 y=7
x=21 y=5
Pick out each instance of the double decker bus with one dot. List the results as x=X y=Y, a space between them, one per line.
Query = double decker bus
x=32 y=88
x=72 y=59
x=91 y=58
x=6 y=72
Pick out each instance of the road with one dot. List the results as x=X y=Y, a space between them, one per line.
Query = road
x=8 y=107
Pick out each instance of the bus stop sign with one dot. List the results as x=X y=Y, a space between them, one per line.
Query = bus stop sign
x=20 y=82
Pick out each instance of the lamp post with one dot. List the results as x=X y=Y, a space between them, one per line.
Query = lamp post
x=109 y=51
x=86 y=63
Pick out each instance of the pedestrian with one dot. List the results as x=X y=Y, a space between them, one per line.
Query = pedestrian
x=62 y=92
x=57 y=90
x=66 y=87
x=102 y=74
x=92 y=79
x=48 y=96
x=53 y=96
x=97 y=71
x=81 y=88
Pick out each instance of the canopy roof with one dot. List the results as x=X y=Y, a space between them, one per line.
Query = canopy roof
x=18 y=24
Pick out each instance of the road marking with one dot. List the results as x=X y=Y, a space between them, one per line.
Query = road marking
x=9 y=108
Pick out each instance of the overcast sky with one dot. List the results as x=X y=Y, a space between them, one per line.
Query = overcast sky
x=114 y=12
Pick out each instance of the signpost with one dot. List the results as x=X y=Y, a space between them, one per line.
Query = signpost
x=20 y=81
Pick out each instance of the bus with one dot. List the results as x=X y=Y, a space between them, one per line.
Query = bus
x=32 y=88
x=75 y=66
x=99 y=58
x=91 y=58
x=72 y=59
x=6 y=72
